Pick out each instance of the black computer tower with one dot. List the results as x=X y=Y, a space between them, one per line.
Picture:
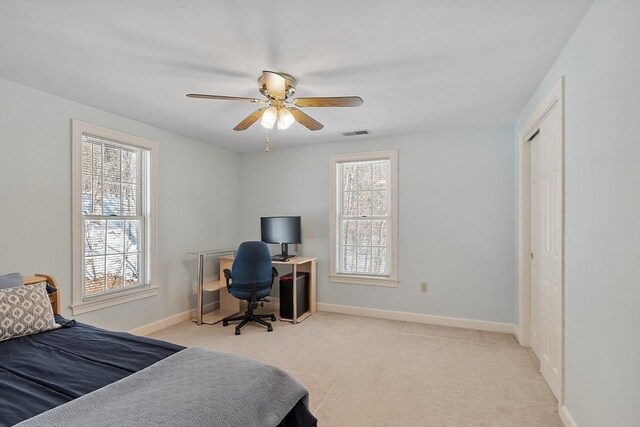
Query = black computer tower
x=286 y=295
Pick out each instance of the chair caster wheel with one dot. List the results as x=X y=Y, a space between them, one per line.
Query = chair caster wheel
x=269 y=328
x=237 y=331
x=225 y=323
x=273 y=317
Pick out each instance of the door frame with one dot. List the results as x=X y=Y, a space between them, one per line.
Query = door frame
x=555 y=98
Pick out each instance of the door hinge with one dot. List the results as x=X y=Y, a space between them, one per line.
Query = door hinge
x=531 y=255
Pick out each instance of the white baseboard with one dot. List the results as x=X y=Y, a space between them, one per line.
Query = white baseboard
x=566 y=417
x=457 y=322
x=152 y=327
x=516 y=332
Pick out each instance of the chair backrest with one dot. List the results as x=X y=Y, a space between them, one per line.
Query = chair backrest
x=251 y=265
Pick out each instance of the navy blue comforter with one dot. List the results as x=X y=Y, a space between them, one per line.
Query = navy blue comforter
x=45 y=370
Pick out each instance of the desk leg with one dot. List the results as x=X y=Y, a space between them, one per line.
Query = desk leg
x=312 y=287
x=295 y=296
x=199 y=307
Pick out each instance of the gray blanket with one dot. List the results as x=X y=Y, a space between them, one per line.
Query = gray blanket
x=194 y=387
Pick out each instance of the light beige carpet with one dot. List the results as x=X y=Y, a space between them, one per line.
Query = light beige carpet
x=372 y=372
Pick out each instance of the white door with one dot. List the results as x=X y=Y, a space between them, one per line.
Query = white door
x=546 y=248
x=535 y=235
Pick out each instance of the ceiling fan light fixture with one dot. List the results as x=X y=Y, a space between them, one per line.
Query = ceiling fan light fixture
x=269 y=117
x=285 y=118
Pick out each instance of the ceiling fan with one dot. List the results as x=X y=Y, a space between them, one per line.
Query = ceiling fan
x=279 y=110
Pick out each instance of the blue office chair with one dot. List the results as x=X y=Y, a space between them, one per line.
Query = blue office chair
x=251 y=278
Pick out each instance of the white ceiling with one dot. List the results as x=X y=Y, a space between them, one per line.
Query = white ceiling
x=420 y=66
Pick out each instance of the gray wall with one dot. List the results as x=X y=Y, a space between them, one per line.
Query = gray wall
x=197 y=193
x=601 y=63
x=455 y=218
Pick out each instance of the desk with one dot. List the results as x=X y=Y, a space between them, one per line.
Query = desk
x=228 y=304
x=298 y=263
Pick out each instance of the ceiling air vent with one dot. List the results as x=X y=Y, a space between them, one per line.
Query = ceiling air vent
x=356 y=133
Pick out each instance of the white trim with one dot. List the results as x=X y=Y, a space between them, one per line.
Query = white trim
x=113 y=299
x=78 y=305
x=456 y=322
x=152 y=327
x=565 y=416
x=334 y=276
x=363 y=280
x=516 y=332
x=555 y=98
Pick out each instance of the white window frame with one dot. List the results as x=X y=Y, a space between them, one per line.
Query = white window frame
x=390 y=280
x=80 y=304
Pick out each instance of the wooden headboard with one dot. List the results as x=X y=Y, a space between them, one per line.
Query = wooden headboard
x=55 y=297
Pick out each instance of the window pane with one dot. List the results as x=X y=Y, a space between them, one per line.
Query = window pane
x=131 y=270
x=96 y=170
x=379 y=260
x=364 y=264
x=364 y=233
x=364 y=203
x=87 y=148
x=87 y=195
x=94 y=278
x=114 y=271
x=349 y=259
x=132 y=236
x=130 y=200
x=115 y=237
x=111 y=201
x=96 y=160
x=380 y=175
x=349 y=182
x=94 y=237
x=111 y=163
x=129 y=166
x=379 y=203
x=379 y=233
x=350 y=203
x=349 y=232
x=364 y=176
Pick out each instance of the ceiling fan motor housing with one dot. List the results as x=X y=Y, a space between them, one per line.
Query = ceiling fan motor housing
x=290 y=85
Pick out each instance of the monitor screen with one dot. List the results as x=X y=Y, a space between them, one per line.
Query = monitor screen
x=280 y=229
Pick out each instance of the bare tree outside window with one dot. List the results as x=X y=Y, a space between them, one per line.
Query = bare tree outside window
x=112 y=208
x=364 y=217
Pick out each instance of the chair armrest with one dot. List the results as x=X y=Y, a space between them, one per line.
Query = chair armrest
x=274 y=274
x=227 y=276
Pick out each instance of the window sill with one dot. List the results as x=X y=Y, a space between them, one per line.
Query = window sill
x=364 y=280
x=115 y=299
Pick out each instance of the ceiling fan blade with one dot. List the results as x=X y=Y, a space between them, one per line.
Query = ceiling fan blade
x=305 y=119
x=276 y=84
x=225 y=98
x=250 y=119
x=329 y=101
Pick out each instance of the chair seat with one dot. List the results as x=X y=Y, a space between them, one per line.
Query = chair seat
x=246 y=293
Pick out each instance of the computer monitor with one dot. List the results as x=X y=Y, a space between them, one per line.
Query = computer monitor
x=281 y=230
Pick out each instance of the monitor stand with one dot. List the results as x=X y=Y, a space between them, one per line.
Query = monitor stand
x=284 y=255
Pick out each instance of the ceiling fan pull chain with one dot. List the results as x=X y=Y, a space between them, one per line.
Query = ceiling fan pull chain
x=266 y=143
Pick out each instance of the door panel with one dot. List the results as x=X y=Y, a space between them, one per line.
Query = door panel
x=534 y=238
x=546 y=238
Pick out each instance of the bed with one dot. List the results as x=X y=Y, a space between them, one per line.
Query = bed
x=80 y=371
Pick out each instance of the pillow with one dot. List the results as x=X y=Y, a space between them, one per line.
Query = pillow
x=25 y=310
x=11 y=280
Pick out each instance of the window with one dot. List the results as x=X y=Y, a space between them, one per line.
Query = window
x=113 y=217
x=364 y=232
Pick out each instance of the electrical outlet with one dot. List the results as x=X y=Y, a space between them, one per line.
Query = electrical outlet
x=424 y=287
